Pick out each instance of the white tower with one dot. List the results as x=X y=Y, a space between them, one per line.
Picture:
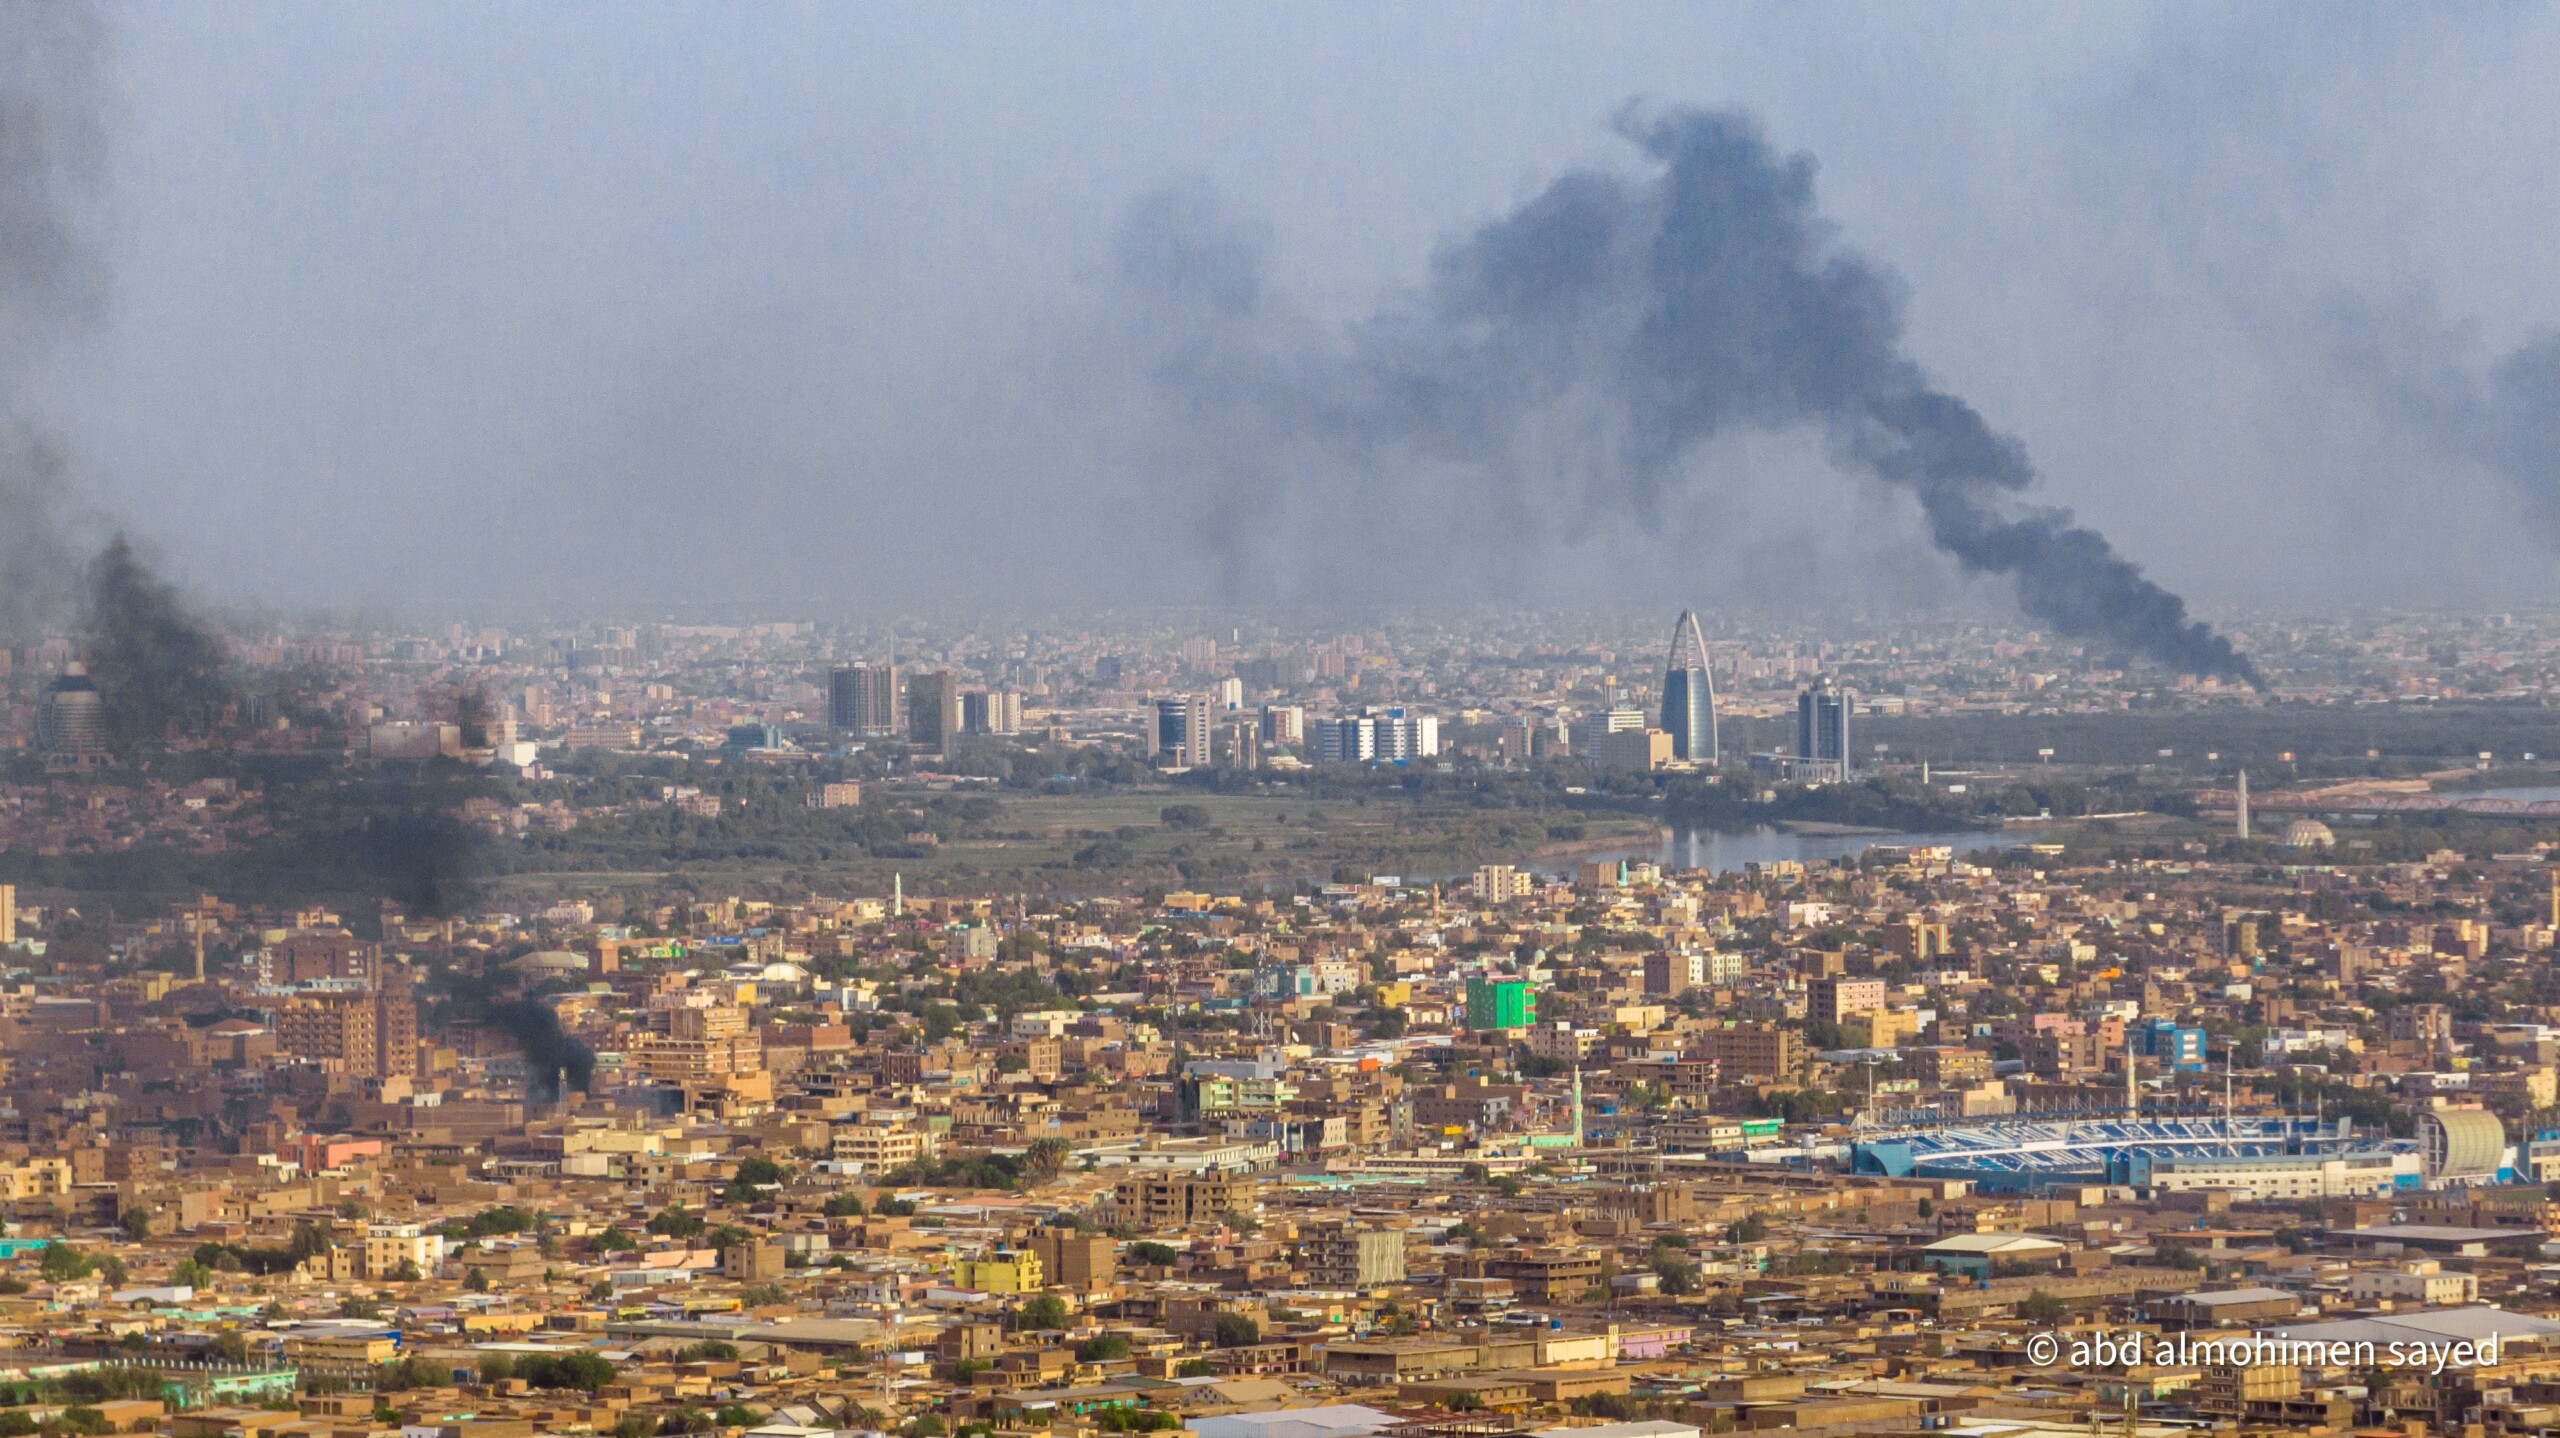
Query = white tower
x=2244 y=804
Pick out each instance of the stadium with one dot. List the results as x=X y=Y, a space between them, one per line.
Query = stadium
x=2259 y=1157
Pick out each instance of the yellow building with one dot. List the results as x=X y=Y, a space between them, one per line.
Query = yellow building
x=1005 y=1271
x=36 y=1178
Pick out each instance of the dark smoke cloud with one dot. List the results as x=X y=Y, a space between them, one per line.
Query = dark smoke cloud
x=412 y=843
x=2431 y=386
x=555 y=1059
x=156 y=665
x=2519 y=436
x=408 y=844
x=161 y=674
x=52 y=79
x=1574 y=358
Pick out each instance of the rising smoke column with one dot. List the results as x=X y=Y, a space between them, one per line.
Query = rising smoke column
x=1604 y=331
x=555 y=1059
x=408 y=839
x=52 y=85
x=154 y=662
x=160 y=673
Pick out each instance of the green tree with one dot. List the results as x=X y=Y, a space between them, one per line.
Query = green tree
x=1237 y=1330
x=1677 y=1275
x=844 y=1205
x=1195 y=1368
x=59 y=1262
x=2043 y=1308
x=1161 y=1255
x=1103 y=1349
x=1044 y=1312
x=1045 y=1157
x=674 y=1222
x=136 y=1224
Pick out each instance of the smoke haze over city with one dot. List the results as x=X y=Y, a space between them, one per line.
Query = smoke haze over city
x=584 y=310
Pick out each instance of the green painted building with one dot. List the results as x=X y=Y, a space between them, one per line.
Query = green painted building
x=1500 y=1004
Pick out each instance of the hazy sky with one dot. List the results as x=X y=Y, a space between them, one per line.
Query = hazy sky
x=512 y=309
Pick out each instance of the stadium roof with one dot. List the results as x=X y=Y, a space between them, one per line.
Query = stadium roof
x=2441 y=1325
x=1995 y=1243
x=1334 y=1420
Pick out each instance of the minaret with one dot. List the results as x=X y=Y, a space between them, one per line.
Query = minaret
x=2244 y=804
x=1577 y=1105
x=898 y=896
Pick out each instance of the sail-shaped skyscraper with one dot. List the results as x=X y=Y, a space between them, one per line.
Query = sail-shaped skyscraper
x=1689 y=694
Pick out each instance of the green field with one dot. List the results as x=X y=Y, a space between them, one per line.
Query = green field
x=1121 y=840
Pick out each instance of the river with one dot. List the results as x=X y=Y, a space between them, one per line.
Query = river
x=1724 y=853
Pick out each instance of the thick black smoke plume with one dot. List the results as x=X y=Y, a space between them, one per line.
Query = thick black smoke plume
x=52 y=83
x=160 y=673
x=405 y=841
x=1603 y=332
x=411 y=841
x=556 y=1060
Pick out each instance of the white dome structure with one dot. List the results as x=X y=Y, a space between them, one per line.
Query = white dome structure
x=2309 y=834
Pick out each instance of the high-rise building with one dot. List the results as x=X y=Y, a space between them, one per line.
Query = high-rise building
x=1596 y=727
x=1385 y=736
x=71 y=723
x=335 y=1029
x=994 y=712
x=1822 y=725
x=395 y=1022
x=863 y=699
x=844 y=710
x=1500 y=1004
x=1283 y=724
x=1178 y=727
x=1351 y=740
x=933 y=710
x=1689 y=694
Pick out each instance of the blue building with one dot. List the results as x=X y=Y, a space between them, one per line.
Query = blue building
x=753 y=736
x=1822 y=725
x=1689 y=694
x=2176 y=1048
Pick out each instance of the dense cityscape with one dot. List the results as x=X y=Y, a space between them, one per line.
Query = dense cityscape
x=1410 y=721
x=1566 y=1132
